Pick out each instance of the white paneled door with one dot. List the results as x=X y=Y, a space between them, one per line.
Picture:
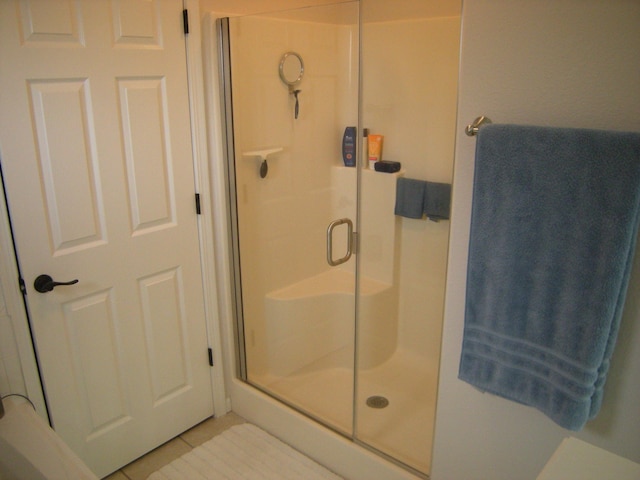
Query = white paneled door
x=97 y=160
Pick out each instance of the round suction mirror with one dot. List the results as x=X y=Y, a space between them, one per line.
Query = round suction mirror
x=291 y=68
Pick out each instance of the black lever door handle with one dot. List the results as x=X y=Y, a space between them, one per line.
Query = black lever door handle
x=44 y=283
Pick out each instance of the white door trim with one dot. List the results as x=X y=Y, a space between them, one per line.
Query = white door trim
x=219 y=200
x=203 y=187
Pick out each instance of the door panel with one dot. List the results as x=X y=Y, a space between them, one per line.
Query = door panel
x=163 y=314
x=51 y=22
x=96 y=357
x=146 y=136
x=74 y=205
x=96 y=153
x=136 y=24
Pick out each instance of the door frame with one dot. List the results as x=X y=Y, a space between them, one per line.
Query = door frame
x=25 y=363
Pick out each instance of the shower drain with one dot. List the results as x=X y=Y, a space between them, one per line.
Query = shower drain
x=377 y=401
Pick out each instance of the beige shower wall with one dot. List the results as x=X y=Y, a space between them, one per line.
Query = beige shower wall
x=285 y=214
x=283 y=217
x=409 y=91
x=410 y=71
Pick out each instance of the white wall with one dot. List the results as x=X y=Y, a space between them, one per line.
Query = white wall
x=567 y=63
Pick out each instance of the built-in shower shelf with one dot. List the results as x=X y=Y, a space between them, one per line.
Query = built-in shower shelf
x=263 y=153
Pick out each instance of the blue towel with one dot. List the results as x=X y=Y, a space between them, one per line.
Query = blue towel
x=410 y=197
x=553 y=230
x=437 y=201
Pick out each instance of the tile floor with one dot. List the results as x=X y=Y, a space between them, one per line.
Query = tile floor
x=164 y=454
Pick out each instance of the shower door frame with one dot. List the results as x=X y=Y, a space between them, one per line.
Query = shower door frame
x=226 y=103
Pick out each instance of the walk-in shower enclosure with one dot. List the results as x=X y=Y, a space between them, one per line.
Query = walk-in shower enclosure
x=338 y=300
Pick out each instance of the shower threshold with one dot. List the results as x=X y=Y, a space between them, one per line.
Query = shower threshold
x=402 y=430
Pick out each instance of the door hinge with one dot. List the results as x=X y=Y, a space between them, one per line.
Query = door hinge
x=198 y=209
x=210 y=351
x=185 y=21
x=23 y=286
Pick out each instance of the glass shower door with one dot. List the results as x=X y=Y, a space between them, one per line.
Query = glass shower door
x=294 y=90
x=409 y=89
x=365 y=365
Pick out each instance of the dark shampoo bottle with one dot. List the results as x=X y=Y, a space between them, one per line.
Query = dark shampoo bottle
x=349 y=147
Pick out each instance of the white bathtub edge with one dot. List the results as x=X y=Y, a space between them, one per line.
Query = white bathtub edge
x=39 y=452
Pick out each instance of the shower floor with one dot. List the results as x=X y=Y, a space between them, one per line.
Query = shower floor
x=402 y=430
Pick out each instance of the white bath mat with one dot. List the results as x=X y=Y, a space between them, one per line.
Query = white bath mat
x=243 y=452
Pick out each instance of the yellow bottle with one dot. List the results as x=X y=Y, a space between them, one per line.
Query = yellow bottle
x=375 y=149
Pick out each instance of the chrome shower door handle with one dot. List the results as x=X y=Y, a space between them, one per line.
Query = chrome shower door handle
x=347 y=256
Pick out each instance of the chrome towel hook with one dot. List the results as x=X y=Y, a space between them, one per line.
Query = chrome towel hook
x=472 y=129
